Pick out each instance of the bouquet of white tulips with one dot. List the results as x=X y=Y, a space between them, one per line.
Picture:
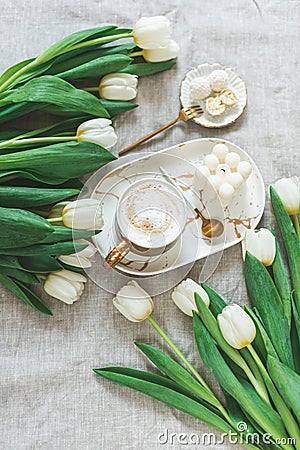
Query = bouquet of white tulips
x=253 y=353
x=88 y=83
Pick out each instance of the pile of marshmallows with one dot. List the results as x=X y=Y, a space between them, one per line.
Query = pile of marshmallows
x=225 y=171
x=202 y=87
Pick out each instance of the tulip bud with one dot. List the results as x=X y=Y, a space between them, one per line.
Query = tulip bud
x=183 y=296
x=82 y=258
x=237 y=327
x=98 y=131
x=152 y=32
x=261 y=244
x=65 y=285
x=133 y=302
x=84 y=214
x=118 y=86
x=288 y=190
x=162 y=54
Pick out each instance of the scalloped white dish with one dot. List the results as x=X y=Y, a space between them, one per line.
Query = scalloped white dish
x=235 y=83
x=181 y=162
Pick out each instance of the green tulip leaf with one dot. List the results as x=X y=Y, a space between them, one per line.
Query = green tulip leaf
x=55 y=91
x=49 y=57
x=80 y=37
x=237 y=415
x=97 y=67
x=177 y=373
x=282 y=281
x=62 y=127
x=264 y=295
x=15 y=110
x=33 y=264
x=143 y=69
x=166 y=395
x=59 y=128
x=45 y=62
x=10 y=262
x=291 y=242
x=59 y=163
x=217 y=304
x=63 y=63
x=266 y=347
x=25 y=294
x=295 y=335
x=13 y=69
x=33 y=71
x=11 y=133
x=39 y=263
x=20 y=228
x=287 y=382
x=115 y=107
x=61 y=234
x=74 y=183
x=20 y=275
x=60 y=248
x=150 y=377
x=26 y=197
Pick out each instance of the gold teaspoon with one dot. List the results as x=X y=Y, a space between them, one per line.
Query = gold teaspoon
x=211 y=228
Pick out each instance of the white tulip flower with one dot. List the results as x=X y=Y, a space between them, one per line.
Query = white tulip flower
x=84 y=214
x=288 y=190
x=98 y=131
x=162 y=54
x=65 y=285
x=183 y=296
x=152 y=32
x=237 y=327
x=81 y=259
x=261 y=244
x=118 y=86
x=133 y=302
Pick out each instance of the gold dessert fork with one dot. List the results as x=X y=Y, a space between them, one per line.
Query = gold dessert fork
x=185 y=114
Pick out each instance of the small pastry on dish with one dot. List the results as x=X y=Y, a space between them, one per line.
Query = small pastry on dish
x=214 y=106
x=228 y=97
x=218 y=80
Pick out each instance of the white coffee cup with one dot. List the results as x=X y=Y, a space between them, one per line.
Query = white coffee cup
x=150 y=218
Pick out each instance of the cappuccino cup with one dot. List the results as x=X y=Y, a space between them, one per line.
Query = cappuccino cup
x=150 y=218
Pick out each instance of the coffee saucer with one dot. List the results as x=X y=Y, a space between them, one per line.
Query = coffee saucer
x=146 y=169
x=181 y=162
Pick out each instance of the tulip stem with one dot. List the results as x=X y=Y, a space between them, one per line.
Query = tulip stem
x=46 y=139
x=132 y=55
x=178 y=353
x=102 y=40
x=41 y=276
x=55 y=219
x=255 y=377
x=91 y=89
x=296 y=224
x=287 y=418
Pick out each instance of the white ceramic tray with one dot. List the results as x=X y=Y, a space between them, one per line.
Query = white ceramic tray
x=181 y=161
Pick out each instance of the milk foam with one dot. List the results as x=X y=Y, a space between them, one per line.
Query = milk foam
x=151 y=214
